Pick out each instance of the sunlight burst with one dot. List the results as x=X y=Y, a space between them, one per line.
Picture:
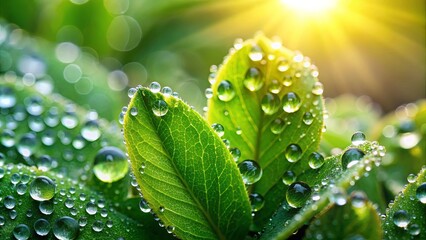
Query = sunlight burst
x=310 y=6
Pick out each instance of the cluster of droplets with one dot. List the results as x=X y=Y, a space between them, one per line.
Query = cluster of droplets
x=79 y=210
x=33 y=123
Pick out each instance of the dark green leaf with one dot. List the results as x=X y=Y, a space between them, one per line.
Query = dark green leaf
x=328 y=184
x=184 y=170
x=405 y=217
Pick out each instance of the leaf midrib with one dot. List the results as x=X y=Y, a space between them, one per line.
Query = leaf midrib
x=206 y=214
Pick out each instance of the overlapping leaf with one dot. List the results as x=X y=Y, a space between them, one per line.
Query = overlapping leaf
x=268 y=98
x=327 y=183
x=184 y=170
x=405 y=217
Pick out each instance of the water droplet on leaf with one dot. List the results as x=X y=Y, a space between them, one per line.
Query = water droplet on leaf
x=250 y=171
x=351 y=157
x=291 y=102
x=253 y=80
x=225 y=91
x=42 y=188
x=297 y=194
x=110 y=164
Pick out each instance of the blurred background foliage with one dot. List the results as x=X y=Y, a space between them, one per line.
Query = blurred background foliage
x=92 y=51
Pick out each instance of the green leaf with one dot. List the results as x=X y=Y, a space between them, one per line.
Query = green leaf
x=258 y=117
x=328 y=185
x=405 y=217
x=70 y=199
x=184 y=170
x=357 y=219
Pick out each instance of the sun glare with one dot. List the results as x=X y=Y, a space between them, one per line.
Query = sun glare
x=310 y=6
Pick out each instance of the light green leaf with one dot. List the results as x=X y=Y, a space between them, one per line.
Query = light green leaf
x=357 y=219
x=328 y=185
x=96 y=215
x=267 y=98
x=184 y=170
x=405 y=217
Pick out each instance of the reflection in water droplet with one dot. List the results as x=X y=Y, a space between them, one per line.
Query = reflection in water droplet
x=308 y=118
x=257 y=202
x=351 y=157
x=253 y=80
x=277 y=126
x=358 y=138
x=66 y=228
x=91 y=131
x=7 y=97
x=289 y=177
x=250 y=171
x=256 y=53
x=291 y=102
x=110 y=164
x=270 y=103
x=316 y=160
x=401 y=218
x=225 y=91
x=421 y=193
x=21 y=232
x=318 y=88
x=155 y=87
x=42 y=188
x=42 y=227
x=219 y=129
x=297 y=194
x=293 y=153
x=159 y=108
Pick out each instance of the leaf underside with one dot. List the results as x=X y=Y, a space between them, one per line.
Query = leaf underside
x=184 y=170
x=249 y=128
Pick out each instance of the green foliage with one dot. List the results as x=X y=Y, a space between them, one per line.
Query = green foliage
x=186 y=174
x=251 y=169
x=329 y=183
x=274 y=114
x=405 y=218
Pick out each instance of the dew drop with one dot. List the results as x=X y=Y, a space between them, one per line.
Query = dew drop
x=21 y=232
x=283 y=65
x=46 y=207
x=225 y=91
x=401 y=218
x=308 y=118
x=270 y=103
x=219 y=129
x=316 y=160
x=42 y=227
x=358 y=199
x=289 y=177
x=293 y=153
x=133 y=111
x=257 y=202
x=358 y=138
x=155 y=87
x=338 y=196
x=291 y=102
x=98 y=226
x=253 y=80
x=256 y=53
x=318 y=88
x=411 y=178
x=42 y=188
x=297 y=194
x=414 y=229
x=159 y=108
x=143 y=205
x=110 y=164
x=421 y=193
x=250 y=171
x=275 y=86
x=66 y=228
x=167 y=91
x=7 y=138
x=7 y=97
x=27 y=144
x=277 y=126
x=170 y=229
x=351 y=157
x=9 y=202
x=91 y=131
x=287 y=81
x=208 y=93
x=69 y=120
x=131 y=92
x=236 y=153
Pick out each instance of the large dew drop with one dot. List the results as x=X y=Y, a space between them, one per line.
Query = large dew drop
x=21 y=232
x=42 y=227
x=297 y=194
x=7 y=97
x=293 y=152
x=91 y=131
x=160 y=108
x=351 y=157
x=401 y=218
x=291 y=102
x=110 y=164
x=253 y=80
x=250 y=171
x=421 y=193
x=42 y=188
x=66 y=228
x=270 y=103
x=316 y=160
x=257 y=202
x=358 y=138
x=225 y=91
